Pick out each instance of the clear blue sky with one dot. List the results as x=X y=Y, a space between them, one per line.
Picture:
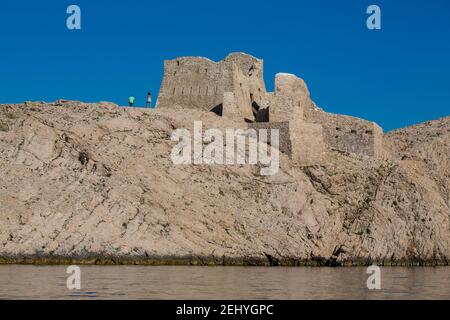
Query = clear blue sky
x=397 y=76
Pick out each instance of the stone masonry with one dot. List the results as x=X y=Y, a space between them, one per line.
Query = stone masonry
x=235 y=88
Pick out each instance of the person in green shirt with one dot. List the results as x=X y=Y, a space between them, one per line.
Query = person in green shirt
x=131 y=100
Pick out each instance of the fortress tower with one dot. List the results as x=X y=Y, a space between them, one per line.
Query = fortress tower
x=194 y=82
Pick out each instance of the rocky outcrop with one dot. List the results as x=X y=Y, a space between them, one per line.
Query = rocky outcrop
x=95 y=183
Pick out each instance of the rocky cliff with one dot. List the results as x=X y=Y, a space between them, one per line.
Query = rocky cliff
x=95 y=183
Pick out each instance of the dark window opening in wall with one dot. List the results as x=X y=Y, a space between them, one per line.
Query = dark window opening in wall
x=217 y=110
x=369 y=132
x=259 y=114
x=338 y=129
x=178 y=63
x=262 y=115
x=206 y=70
x=353 y=131
x=250 y=71
x=336 y=137
x=174 y=91
x=240 y=84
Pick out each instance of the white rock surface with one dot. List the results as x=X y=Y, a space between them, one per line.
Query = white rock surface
x=95 y=183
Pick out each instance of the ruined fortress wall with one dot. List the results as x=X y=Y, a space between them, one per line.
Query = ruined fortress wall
x=285 y=145
x=248 y=75
x=308 y=145
x=248 y=82
x=287 y=84
x=242 y=94
x=234 y=85
x=200 y=83
x=229 y=106
x=302 y=142
x=283 y=108
x=194 y=83
x=289 y=99
x=245 y=90
x=347 y=133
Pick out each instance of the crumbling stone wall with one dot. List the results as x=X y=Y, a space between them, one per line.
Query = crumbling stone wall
x=194 y=83
x=302 y=142
x=308 y=145
x=235 y=88
x=289 y=99
x=284 y=134
x=200 y=83
x=349 y=134
x=230 y=108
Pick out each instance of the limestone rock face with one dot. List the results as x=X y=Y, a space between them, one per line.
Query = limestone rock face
x=96 y=182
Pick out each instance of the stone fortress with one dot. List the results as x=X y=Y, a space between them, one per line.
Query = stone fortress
x=235 y=88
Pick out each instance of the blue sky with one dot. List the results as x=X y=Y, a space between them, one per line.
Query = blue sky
x=396 y=76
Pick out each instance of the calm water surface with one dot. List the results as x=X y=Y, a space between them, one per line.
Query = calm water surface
x=183 y=282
